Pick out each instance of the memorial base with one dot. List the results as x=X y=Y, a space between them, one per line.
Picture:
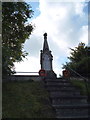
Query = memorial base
x=50 y=75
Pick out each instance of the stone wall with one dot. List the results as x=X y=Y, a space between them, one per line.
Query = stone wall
x=23 y=78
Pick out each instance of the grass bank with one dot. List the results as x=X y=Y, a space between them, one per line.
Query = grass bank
x=82 y=86
x=25 y=100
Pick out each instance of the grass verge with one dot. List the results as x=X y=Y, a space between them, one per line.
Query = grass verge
x=82 y=86
x=25 y=100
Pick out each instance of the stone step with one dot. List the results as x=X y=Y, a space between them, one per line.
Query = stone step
x=68 y=97
x=68 y=111
x=72 y=106
x=56 y=80
x=83 y=117
x=58 y=83
x=64 y=93
x=64 y=90
x=68 y=100
x=65 y=101
x=58 y=88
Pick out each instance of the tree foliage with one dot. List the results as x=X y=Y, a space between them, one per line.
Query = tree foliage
x=15 y=30
x=79 y=60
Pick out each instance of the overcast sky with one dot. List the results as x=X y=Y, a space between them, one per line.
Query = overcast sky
x=66 y=25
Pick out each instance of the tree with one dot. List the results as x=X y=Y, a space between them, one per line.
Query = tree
x=15 y=31
x=79 y=60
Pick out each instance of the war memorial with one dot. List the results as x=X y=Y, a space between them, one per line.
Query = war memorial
x=66 y=99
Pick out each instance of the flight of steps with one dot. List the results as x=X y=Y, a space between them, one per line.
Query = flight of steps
x=66 y=99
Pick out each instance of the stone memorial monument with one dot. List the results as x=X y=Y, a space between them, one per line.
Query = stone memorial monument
x=46 y=59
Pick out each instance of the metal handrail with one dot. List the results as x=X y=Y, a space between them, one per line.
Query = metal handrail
x=26 y=72
x=78 y=74
x=85 y=79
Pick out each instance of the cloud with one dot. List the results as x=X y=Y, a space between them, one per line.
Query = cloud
x=31 y=64
x=84 y=34
x=66 y=26
x=79 y=8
